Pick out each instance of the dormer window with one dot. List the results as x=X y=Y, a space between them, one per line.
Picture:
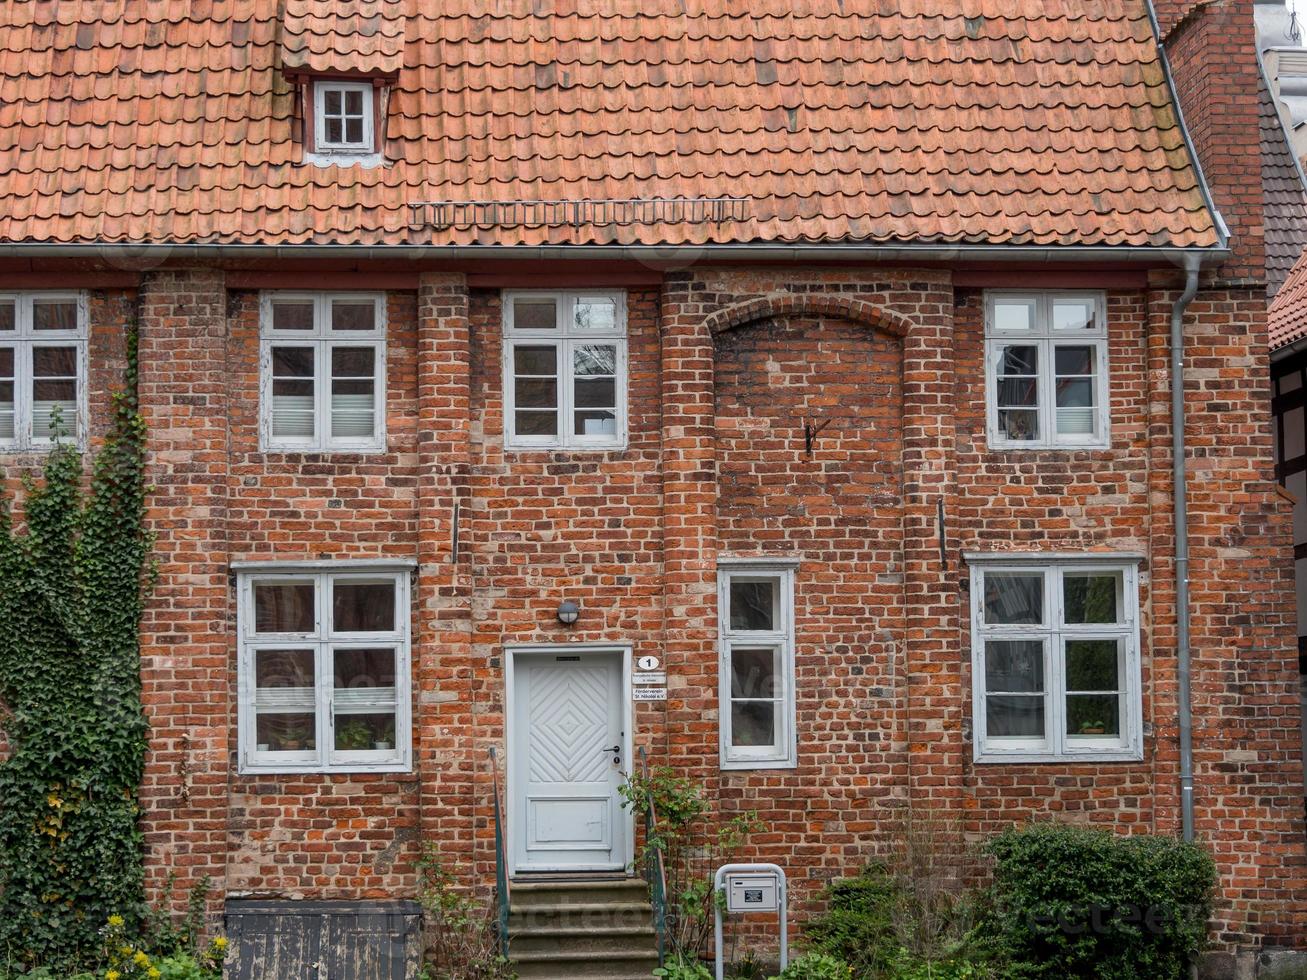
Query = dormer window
x=343 y=117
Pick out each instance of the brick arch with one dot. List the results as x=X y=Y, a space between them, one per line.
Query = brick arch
x=807 y=304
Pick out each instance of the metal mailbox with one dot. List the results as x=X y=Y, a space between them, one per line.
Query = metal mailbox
x=751 y=893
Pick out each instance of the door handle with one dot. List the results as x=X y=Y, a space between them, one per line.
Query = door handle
x=616 y=749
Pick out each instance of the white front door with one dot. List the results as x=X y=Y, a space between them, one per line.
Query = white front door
x=567 y=735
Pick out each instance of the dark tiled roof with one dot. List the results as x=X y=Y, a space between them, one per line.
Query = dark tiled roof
x=1284 y=197
x=1000 y=121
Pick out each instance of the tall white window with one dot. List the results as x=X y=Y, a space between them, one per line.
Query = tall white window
x=565 y=370
x=324 y=670
x=756 y=673
x=42 y=369
x=1055 y=659
x=323 y=372
x=343 y=117
x=1046 y=370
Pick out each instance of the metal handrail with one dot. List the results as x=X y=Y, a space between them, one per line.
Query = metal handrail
x=502 y=895
x=654 y=871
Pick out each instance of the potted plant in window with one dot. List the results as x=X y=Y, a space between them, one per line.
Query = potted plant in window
x=294 y=739
x=1093 y=728
x=387 y=739
x=353 y=736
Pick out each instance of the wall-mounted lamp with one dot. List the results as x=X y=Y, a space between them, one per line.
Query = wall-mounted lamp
x=568 y=611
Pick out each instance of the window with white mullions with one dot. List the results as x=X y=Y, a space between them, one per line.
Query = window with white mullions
x=757 y=715
x=344 y=117
x=324 y=372
x=42 y=369
x=1046 y=362
x=1056 y=661
x=565 y=370
x=324 y=671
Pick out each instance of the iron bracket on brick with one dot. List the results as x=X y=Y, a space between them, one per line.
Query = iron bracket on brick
x=811 y=428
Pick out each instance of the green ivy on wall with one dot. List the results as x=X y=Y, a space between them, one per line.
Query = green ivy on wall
x=73 y=577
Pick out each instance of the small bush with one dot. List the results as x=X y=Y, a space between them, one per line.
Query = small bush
x=817 y=966
x=858 y=925
x=683 y=968
x=1071 y=901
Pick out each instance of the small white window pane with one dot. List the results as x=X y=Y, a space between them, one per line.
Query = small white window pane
x=535 y=392
x=1014 y=716
x=363 y=607
x=370 y=731
x=1074 y=314
x=8 y=315
x=754 y=673
x=292 y=315
x=54 y=314
x=535 y=361
x=1091 y=597
x=1093 y=715
x=1014 y=314
x=285 y=701
x=754 y=724
x=284 y=607
x=54 y=392
x=353 y=392
x=1017 y=395
x=353 y=315
x=1075 y=369
x=533 y=423
x=1093 y=665
x=753 y=605
x=292 y=392
x=364 y=699
x=595 y=314
x=354 y=131
x=335 y=131
x=1014 y=598
x=354 y=102
x=286 y=731
x=6 y=393
x=535 y=314
x=1014 y=666
x=331 y=101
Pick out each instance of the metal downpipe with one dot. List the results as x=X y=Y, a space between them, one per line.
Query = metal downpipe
x=1179 y=490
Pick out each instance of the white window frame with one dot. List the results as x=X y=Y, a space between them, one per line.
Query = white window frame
x=782 y=754
x=321 y=339
x=1057 y=745
x=320 y=142
x=1044 y=338
x=564 y=336
x=324 y=757
x=23 y=338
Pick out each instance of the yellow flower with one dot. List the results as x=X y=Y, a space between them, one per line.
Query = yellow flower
x=154 y=973
x=220 y=942
x=54 y=801
x=111 y=975
x=140 y=959
x=116 y=921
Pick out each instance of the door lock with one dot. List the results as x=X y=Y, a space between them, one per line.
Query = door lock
x=617 y=754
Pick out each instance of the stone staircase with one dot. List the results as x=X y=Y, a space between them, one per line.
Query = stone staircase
x=601 y=929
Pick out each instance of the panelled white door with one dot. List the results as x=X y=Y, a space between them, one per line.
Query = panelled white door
x=567 y=753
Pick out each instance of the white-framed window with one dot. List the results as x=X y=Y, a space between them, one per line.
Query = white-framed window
x=1055 y=659
x=565 y=369
x=323 y=670
x=323 y=372
x=42 y=369
x=343 y=117
x=756 y=669
x=1046 y=370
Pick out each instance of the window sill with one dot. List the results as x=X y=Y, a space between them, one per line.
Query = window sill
x=744 y=766
x=321 y=158
x=320 y=451
x=1043 y=758
x=302 y=770
x=589 y=449
x=1026 y=447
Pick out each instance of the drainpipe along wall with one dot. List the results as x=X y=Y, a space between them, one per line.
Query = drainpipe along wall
x=1182 y=549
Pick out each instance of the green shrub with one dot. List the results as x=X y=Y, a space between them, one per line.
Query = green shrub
x=817 y=966
x=1071 y=901
x=683 y=968
x=858 y=925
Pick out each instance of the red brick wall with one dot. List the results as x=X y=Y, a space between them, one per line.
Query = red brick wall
x=726 y=364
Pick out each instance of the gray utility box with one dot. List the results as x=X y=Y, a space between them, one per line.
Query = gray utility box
x=751 y=893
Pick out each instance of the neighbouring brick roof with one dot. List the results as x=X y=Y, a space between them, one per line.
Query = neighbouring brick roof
x=1287 y=316
x=1284 y=197
x=1009 y=121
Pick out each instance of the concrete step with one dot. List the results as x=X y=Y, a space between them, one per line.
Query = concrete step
x=558 y=939
x=581 y=915
x=528 y=893
x=592 y=965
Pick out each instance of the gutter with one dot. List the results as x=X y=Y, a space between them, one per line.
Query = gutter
x=132 y=255
x=1180 y=491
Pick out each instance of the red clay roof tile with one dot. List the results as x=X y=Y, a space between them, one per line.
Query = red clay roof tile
x=1001 y=121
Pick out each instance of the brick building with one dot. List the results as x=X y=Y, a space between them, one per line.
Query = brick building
x=821 y=361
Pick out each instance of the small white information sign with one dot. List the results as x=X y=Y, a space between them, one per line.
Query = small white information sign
x=649 y=694
x=657 y=677
x=648 y=663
